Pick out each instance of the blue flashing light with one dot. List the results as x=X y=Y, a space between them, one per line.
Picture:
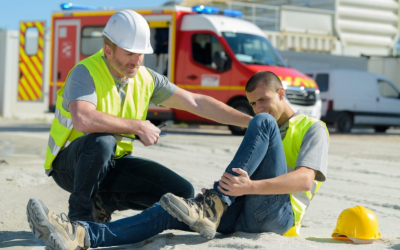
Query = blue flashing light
x=214 y=10
x=205 y=9
x=72 y=6
x=233 y=13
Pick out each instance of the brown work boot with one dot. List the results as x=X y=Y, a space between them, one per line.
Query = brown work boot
x=99 y=214
x=57 y=233
x=201 y=214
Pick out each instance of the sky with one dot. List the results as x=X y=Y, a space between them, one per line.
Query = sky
x=14 y=11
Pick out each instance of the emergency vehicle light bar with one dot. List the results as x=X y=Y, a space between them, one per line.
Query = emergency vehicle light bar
x=214 y=10
x=72 y=6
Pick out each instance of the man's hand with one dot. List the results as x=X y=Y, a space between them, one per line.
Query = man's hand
x=148 y=133
x=235 y=185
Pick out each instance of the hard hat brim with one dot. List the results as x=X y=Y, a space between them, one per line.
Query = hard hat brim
x=337 y=235
x=145 y=51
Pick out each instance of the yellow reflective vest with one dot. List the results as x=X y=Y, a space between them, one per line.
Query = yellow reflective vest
x=138 y=93
x=298 y=127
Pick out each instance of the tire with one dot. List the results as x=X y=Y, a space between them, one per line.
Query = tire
x=344 y=123
x=52 y=108
x=243 y=106
x=381 y=129
x=157 y=122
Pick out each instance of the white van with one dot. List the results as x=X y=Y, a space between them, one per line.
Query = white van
x=303 y=100
x=354 y=97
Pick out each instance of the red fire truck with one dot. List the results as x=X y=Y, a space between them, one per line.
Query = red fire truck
x=201 y=49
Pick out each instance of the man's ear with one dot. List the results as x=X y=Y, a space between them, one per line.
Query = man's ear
x=281 y=93
x=107 y=51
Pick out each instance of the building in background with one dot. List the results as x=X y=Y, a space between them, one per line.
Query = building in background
x=355 y=34
x=341 y=27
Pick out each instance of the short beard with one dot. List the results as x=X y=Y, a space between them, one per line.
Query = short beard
x=119 y=66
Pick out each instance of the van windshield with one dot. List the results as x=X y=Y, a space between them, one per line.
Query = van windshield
x=253 y=49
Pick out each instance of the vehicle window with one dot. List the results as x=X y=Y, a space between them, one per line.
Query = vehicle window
x=387 y=90
x=322 y=82
x=253 y=49
x=310 y=75
x=207 y=51
x=91 y=40
x=31 y=41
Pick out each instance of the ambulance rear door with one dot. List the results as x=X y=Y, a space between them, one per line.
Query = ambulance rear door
x=162 y=40
x=66 y=44
x=31 y=58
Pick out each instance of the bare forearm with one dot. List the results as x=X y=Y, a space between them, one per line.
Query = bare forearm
x=206 y=107
x=87 y=119
x=99 y=122
x=293 y=182
x=215 y=110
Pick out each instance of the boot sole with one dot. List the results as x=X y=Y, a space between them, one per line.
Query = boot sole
x=196 y=226
x=42 y=228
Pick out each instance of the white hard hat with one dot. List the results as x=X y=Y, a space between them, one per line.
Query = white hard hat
x=129 y=31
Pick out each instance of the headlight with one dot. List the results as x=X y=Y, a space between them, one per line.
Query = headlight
x=317 y=95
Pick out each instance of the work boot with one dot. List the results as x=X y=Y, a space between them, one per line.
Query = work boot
x=201 y=214
x=56 y=232
x=99 y=214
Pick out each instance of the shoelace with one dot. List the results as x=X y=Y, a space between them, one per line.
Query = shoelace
x=207 y=196
x=64 y=218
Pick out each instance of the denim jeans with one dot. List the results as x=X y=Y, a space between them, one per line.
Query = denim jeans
x=261 y=155
x=87 y=167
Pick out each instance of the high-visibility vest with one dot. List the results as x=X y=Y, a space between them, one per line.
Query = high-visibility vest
x=138 y=93
x=298 y=127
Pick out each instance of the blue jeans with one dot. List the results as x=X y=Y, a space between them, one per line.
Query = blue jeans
x=261 y=155
x=87 y=167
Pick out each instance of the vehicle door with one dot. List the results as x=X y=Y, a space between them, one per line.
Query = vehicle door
x=160 y=61
x=31 y=57
x=65 y=52
x=388 y=103
x=209 y=68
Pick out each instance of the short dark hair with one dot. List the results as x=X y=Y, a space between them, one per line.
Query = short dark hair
x=268 y=78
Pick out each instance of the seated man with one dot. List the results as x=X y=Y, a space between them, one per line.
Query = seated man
x=266 y=188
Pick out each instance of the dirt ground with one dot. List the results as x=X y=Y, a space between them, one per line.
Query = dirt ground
x=364 y=169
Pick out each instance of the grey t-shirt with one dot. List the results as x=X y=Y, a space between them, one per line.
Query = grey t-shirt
x=80 y=86
x=313 y=150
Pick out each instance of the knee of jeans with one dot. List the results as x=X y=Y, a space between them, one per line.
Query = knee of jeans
x=260 y=120
x=105 y=143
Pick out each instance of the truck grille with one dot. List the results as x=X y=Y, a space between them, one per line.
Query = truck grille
x=302 y=97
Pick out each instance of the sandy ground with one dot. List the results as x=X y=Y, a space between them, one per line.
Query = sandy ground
x=364 y=169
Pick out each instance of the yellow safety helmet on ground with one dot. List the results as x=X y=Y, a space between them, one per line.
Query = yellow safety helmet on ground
x=358 y=224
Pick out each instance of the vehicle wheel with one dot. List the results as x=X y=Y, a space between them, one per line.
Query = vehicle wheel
x=344 y=123
x=157 y=122
x=244 y=107
x=381 y=129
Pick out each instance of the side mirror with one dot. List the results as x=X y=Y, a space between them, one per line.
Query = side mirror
x=221 y=61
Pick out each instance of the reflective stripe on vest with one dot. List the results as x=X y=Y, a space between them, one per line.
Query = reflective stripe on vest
x=298 y=127
x=138 y=93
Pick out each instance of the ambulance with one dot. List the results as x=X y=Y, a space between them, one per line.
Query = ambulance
x=202 y=49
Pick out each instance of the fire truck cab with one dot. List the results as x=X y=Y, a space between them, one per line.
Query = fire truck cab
x=204 y=53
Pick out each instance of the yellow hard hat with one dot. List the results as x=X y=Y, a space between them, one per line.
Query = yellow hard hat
x=358 y=224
